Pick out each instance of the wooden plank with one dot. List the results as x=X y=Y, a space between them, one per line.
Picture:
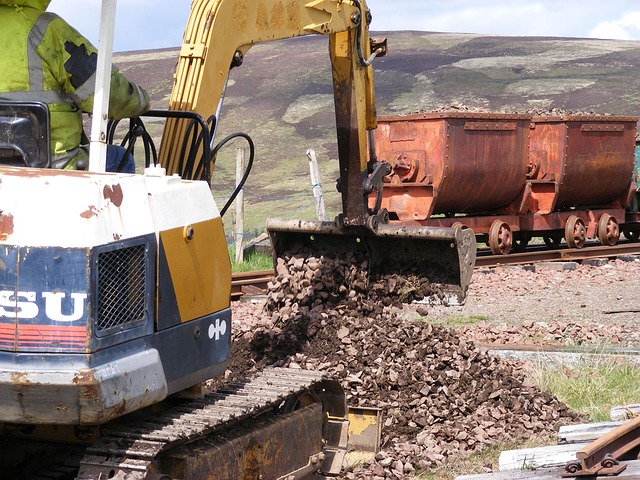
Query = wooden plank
x=624 y=412
x=568 y=359
x=586 y=432
x=539 y=457
x=572 y=439
x=631 y=473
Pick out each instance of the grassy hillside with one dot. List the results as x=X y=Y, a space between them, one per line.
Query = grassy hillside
x=282 y=97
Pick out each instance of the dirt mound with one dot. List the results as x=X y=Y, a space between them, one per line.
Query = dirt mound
x=441 y=396
x=538 y=112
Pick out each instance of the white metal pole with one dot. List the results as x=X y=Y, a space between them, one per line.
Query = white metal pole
x=316 y=184
x=98 y=148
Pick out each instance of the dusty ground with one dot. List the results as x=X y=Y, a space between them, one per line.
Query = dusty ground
x=590 y=304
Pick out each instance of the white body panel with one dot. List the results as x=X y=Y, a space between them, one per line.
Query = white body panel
x=75 y=209
x=176 y=202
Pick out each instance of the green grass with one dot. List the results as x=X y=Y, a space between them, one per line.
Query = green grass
x=463 y=320
x=593 y=387
x=466 y=320
x=253 y=262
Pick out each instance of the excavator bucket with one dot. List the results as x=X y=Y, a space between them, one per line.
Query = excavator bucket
x=365 y=431
x=443 y=257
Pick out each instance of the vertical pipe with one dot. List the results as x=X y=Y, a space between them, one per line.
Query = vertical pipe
x=98 y=149
x=316 y=185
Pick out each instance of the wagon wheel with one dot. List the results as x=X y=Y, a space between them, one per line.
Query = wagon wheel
x=633 y=235
x=552 y=241
x=500 y=238
x=608 y=230
x=575 y=232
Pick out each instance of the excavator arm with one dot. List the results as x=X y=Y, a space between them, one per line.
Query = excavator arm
x=220 y=32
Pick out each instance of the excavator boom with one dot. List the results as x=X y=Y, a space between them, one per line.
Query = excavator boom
x=218 y=36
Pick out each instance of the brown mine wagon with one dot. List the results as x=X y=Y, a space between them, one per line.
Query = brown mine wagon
x=511 y=177
x=581 y=179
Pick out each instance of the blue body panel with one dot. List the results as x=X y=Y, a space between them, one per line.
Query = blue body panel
x=44 y=299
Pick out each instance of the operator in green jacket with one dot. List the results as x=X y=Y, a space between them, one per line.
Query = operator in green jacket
x=45 y=59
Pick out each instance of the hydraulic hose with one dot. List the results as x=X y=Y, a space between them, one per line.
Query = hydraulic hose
x=363 y=21
x=247 y=170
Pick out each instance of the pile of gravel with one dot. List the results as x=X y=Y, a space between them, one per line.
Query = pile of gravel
x=442 y=398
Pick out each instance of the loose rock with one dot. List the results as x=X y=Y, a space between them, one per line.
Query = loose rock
x=442 y=398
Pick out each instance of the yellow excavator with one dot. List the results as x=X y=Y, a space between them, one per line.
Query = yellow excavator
x=115 y=288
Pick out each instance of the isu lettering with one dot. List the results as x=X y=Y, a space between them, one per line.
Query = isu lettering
x=24 y=305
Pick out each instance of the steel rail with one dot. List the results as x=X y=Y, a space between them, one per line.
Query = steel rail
x=250 y=283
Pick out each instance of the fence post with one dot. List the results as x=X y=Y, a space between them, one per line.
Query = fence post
x=316 y=184
x=239 y=206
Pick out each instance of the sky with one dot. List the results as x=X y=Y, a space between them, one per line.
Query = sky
x=152 y=24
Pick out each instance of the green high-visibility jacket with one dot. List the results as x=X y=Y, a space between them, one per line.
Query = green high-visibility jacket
x=45 y=59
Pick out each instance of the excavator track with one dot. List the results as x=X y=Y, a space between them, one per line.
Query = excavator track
x=134 y=450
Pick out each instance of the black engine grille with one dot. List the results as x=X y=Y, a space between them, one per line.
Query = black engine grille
x=122 y=277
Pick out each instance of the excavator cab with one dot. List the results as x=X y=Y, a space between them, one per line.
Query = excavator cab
x=114 y=288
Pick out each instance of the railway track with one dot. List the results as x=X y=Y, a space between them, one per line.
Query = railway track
x=255 y=283
x=250 y=283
